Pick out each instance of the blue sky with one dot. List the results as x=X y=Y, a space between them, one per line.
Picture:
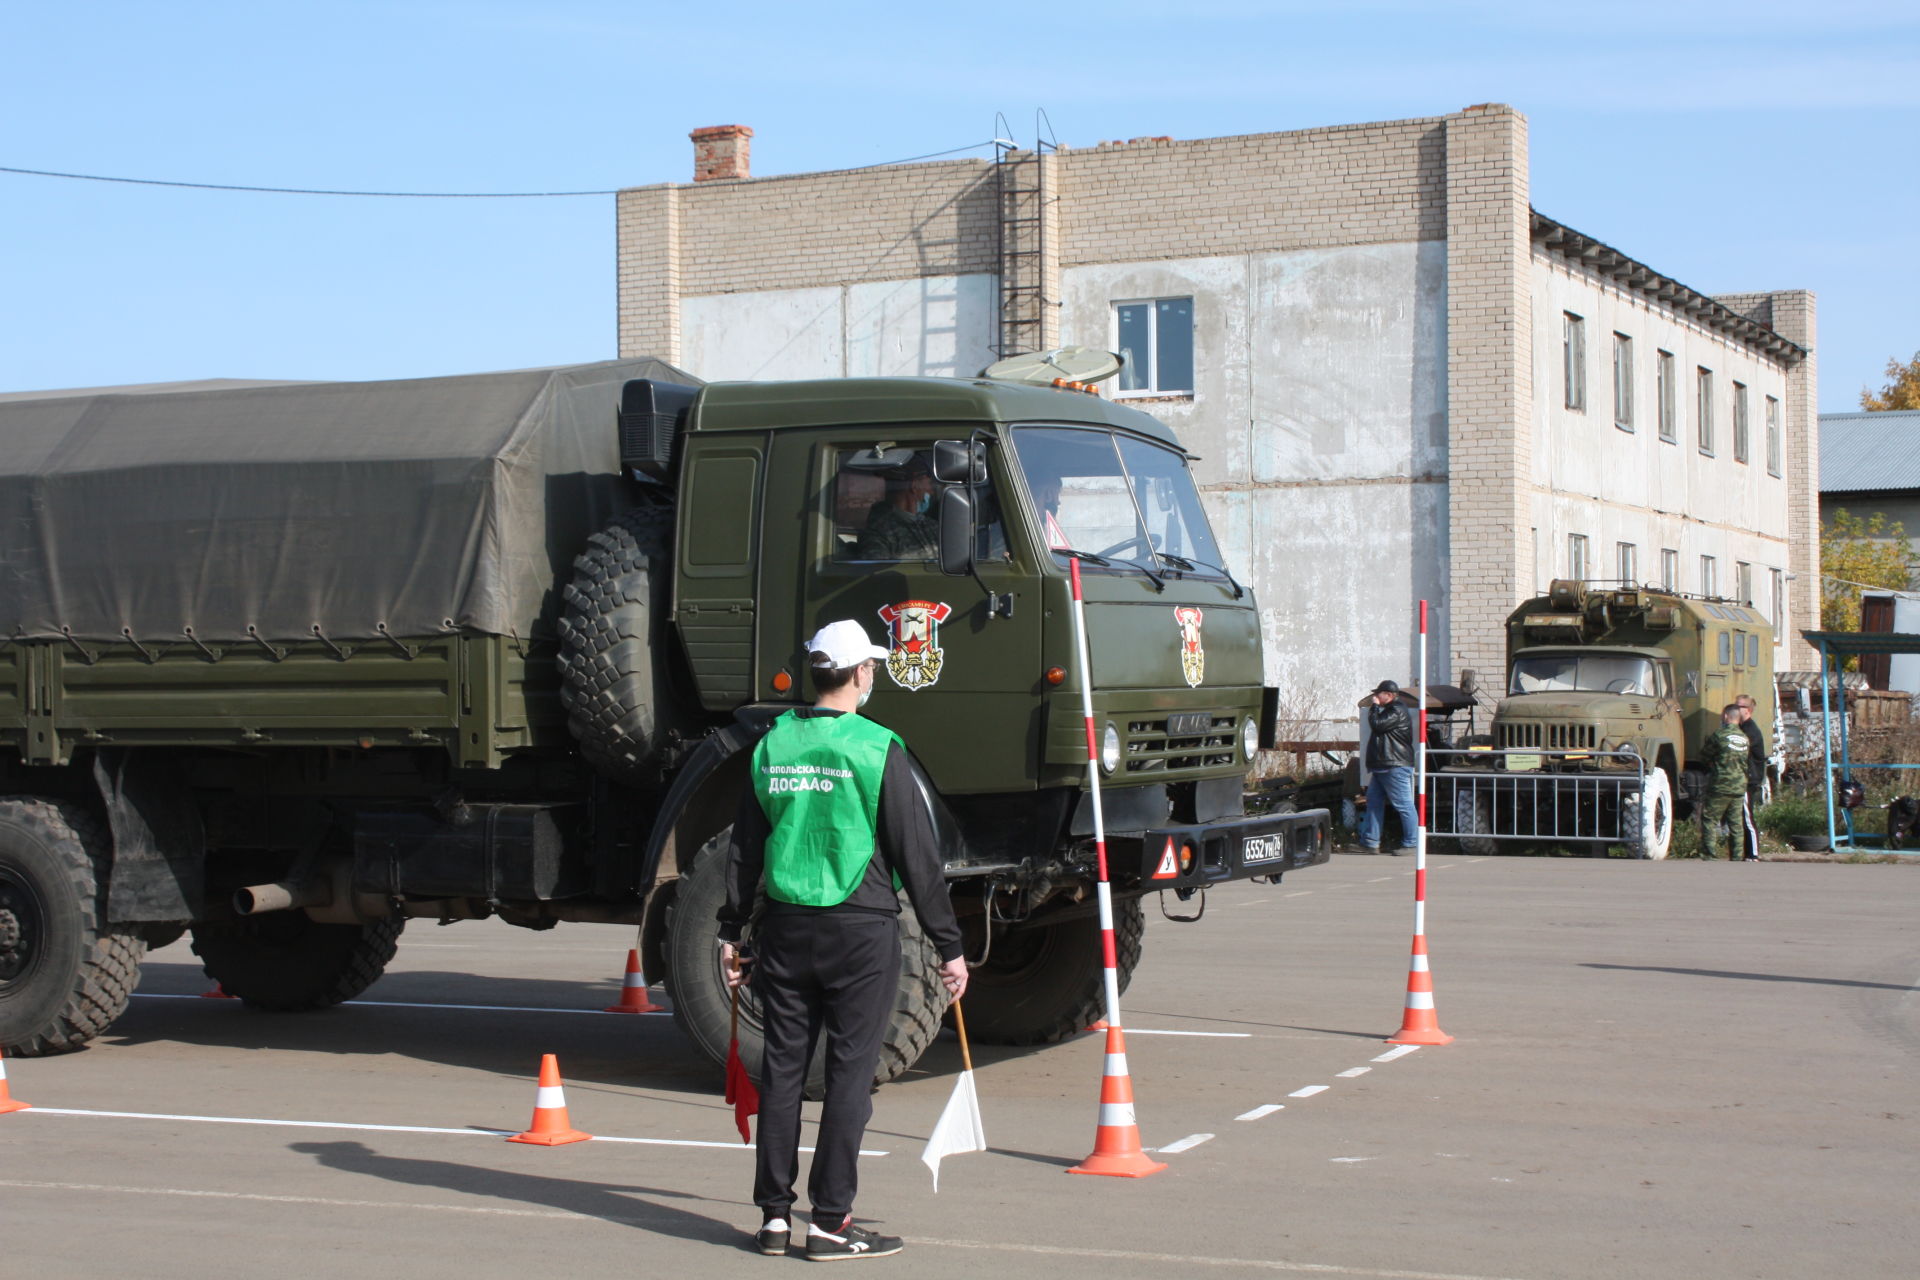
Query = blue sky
x=1755 y=145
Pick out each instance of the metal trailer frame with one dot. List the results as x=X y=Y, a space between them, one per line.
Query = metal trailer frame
x=1843 y=644
x=1561 y=791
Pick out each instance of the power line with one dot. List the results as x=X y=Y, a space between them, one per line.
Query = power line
x=402 y=195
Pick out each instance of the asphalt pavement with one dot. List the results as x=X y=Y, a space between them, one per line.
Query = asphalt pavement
x=1660 y=1069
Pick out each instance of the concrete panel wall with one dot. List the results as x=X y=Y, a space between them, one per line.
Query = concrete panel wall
x=938 y=326
x=1319 y=417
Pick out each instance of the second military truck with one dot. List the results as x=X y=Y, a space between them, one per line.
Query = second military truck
x=288 y=665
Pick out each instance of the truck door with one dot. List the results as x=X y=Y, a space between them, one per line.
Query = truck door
x=962 y=683
x=716 y=557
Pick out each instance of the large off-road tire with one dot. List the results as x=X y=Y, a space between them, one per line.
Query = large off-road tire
x=609 y=637
x=1646 y=820
x=1040 y=985
x=1472 y=818
x=284 y=961
x=700 y=999
x=65 y=974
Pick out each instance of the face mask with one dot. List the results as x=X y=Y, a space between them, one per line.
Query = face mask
x=926 y=502
x=865 y=693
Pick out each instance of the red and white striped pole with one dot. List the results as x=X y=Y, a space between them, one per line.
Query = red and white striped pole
x=1419 y=1025
x=1116 y=1142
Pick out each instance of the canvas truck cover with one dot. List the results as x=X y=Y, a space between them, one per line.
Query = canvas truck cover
x=413 y=507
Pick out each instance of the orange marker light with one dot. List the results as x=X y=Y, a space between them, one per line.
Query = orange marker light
x=1056 y=675
x=782 y=682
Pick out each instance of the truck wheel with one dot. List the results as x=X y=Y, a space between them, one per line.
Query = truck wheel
x=1646 y=820
x=607 y=640
x=286 y=962
x=699 y=990
x=65 y=974
x=1044 y=984
x=1474 y=820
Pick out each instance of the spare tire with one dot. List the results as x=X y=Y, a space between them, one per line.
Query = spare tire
x=1810 y=844
x=614 y=611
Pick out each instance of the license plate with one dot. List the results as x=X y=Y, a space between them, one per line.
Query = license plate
x=1522 y=763
x=1263 y=849
x=1189 y=724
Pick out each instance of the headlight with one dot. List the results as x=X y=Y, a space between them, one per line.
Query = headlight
x=1249 y=737
x=1110 y=748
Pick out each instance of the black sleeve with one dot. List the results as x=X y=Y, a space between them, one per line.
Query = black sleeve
x=746 y=856
x=905 y=838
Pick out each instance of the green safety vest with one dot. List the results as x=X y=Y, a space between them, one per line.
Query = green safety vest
x=818 y=782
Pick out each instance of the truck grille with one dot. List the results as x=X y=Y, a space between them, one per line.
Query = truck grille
x=1198 y=741
x=1533 y=735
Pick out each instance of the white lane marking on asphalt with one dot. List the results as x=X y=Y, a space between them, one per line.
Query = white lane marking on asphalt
x=410 y=1004
x=1258 y=1112
x=1186 y=1260
x=1379 y=879
x=1218 y=1035
x=1401 y=1052
x=1476 y=859
x=1187 y=1143
x=1351 y=1072
x=1299 y=894
x=1310 y=1090
x=1351 y=1159
x=376 y=1128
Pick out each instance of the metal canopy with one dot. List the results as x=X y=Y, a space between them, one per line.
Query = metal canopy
x=1834 y=644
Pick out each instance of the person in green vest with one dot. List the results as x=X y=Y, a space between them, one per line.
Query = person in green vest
x=833 y=831
x=1726 y=803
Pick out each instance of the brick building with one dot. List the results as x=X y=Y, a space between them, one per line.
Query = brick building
x=1402 y=381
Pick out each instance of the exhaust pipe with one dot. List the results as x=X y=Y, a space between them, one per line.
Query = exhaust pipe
x=258 y=898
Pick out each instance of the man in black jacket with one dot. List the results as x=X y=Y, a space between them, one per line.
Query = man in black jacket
x=1389 y=769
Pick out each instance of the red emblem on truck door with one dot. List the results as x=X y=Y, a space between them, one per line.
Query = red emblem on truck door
x=1193 y=654
x=914 y=658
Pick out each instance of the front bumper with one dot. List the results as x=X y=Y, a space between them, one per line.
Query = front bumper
x=1269 y=844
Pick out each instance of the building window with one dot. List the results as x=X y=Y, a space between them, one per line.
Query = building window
x=1703 y=407
x=1577 y=556
x=1669 y=568
x=1773 y=436
x=1623 y=382
x=1739 y=422
x=1156 y=340
x=1709 y=576
x=1743 y=582
x=1574 y=361
x=1779 y=605
x=1663 y=392
x=1626 y=558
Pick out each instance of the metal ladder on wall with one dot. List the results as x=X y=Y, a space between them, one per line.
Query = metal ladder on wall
x=1022 y=243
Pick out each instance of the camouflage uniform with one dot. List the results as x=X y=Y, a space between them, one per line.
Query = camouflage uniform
x=1726 y=802
x=893 y=534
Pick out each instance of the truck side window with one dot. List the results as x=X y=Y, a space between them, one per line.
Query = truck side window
x=1726 y=648
x=883 y=508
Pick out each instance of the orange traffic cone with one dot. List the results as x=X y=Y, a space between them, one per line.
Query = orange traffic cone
x=550 y=1125
x=219 y=992
x=1116 y=1143
x=1419 y=1026
x=633 y=990
x=7 y=1102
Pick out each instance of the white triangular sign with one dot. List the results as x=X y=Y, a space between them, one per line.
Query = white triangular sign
x=1169 y=868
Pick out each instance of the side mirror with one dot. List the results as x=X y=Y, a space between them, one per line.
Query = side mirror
x=959 y=462
x=956 y=530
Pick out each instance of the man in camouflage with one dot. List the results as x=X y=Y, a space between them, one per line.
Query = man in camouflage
x=1726 y=802
x=901 y=528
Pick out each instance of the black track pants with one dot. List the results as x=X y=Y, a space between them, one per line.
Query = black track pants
x=834 y=973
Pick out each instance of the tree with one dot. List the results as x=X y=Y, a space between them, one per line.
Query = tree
x=1902 y=390
x=1855 y=554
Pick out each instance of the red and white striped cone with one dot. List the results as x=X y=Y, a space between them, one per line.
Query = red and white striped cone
x=633 y=990
x=7 y=1101
x=1117 y=1152
x=1419 y=1025
x=550 y=1127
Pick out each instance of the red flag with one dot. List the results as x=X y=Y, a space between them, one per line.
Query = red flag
x=740 y=1091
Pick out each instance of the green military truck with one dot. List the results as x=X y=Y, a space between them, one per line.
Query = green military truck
x=1611 y=694
x=286 y=666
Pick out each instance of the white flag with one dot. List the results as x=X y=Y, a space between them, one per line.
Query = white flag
x=959 y=1129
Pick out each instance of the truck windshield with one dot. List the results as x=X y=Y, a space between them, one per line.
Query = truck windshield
x=1118 y=498
x=1583 y=673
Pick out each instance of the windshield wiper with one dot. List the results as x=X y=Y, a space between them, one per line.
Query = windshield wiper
x=1225 y=572
x=1159 y=583
x=1179 y=562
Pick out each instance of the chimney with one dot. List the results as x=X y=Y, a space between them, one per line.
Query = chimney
x=720 y=152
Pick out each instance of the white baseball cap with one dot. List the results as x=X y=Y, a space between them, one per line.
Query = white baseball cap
x=846 y=645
